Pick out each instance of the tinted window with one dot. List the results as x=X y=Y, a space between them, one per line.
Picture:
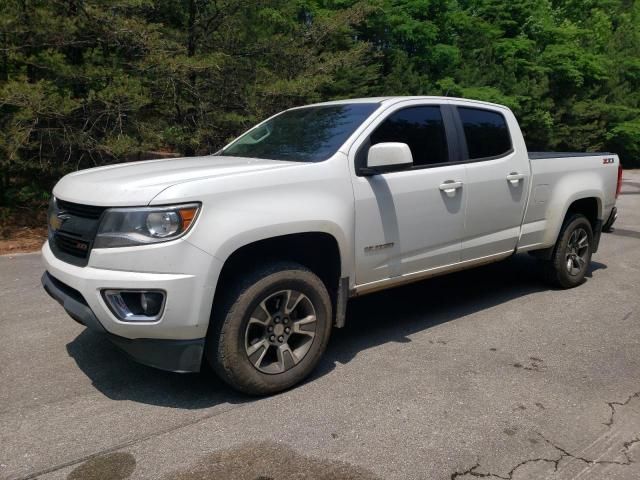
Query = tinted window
x=486 y=132
x=421 y=128
x=308 y=134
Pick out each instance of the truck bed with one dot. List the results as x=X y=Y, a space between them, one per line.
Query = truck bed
x=554 y=176
x=540 y=155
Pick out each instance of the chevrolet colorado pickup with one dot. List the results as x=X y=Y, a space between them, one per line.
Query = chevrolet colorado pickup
x=246 y=259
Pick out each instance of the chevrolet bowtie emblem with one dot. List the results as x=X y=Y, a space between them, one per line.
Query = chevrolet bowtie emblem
x=56 y=220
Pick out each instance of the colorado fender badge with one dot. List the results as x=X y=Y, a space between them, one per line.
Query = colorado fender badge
x=375 y=248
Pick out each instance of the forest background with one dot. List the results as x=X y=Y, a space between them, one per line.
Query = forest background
x=91 y=82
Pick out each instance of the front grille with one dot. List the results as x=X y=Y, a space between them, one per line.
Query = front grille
x=72 y=246
x=84 y=211
x=72 y=234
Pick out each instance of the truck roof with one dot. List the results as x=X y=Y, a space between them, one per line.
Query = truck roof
x=399 y=98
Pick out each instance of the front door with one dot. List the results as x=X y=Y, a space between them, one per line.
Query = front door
x=410 y=220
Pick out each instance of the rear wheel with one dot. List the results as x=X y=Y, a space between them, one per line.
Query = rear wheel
x=572 y=253
x=271 y=329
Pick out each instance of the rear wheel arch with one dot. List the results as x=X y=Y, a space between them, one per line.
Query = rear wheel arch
x=590 y=207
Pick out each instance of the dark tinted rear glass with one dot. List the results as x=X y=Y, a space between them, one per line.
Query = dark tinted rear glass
x=421 y=128
x=486 y=132
x=308 y=134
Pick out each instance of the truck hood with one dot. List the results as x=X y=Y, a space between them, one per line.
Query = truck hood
x=137 y=183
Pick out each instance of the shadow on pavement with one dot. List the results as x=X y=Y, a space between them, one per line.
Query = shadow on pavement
x=625 y=233
x=118 y=377
x=388 y=316
x=393 y=315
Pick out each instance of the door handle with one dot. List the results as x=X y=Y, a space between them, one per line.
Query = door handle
x=450 y=186
x=515 y=177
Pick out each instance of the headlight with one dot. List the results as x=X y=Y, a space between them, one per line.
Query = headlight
x=124 y=227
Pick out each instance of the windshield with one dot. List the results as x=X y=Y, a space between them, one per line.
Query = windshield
x=309 y=134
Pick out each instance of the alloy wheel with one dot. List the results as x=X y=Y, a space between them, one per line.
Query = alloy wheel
x=280 y=331
x=577 y=251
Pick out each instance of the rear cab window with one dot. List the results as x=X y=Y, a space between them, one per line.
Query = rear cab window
x=486 y=133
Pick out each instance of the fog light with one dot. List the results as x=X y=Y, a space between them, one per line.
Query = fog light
x=135 y=305
x=151 y=303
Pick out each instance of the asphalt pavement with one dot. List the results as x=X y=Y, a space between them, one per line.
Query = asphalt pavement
x=484 y=373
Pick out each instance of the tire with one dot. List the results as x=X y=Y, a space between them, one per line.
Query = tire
x=571 y=254
x=262 y=339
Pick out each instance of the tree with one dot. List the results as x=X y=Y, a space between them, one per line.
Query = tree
x=90 y=82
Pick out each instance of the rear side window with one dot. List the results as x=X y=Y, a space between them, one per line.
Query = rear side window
x=422 y=128
x=486 y=132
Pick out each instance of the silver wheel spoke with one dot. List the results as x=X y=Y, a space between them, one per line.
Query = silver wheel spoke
x=293 y=301
x=572 y=238
x=257 y=321
x=298 y=326
x=584 y=240
x=257 y=346
x=256 y=356
x=286 y=357
x=265 y=309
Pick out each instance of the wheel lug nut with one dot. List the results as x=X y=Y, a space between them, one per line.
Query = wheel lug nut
x=277 y=319
x=287 y=330
x=272 y=338
x=280 y=338
x=270 y=328
x=286 y=320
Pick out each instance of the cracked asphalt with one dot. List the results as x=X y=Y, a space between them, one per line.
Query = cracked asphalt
x=486 y=373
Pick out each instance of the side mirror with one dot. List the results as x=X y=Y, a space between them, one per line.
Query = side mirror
x=386 y=157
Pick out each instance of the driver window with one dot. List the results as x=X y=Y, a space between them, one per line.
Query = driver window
x=422 y=128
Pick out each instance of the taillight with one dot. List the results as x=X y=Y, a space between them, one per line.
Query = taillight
x=619 y=186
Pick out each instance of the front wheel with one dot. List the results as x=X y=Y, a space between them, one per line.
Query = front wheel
x=572 y=253
x=271 y=329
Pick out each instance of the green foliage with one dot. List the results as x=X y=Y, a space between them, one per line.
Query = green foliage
x=90 y=82
x=625 y=139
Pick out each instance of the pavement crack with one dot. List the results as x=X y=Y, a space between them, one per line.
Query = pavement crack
x=627 y=446
x=613 y=405
x=473 y=473
x=564 y=453
x=567 y=454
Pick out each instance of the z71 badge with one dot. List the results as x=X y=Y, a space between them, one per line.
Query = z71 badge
x=608 y=160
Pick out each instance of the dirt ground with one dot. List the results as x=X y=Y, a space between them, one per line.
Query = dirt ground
x=21 y=239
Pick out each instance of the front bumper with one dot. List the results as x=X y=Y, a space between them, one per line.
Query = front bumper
x=175 y=341
x=172 y=355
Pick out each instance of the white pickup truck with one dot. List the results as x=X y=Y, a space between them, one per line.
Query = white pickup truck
x=246 y=259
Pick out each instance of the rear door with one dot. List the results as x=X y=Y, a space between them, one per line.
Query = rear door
x=411 y=219
x=497 y=179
